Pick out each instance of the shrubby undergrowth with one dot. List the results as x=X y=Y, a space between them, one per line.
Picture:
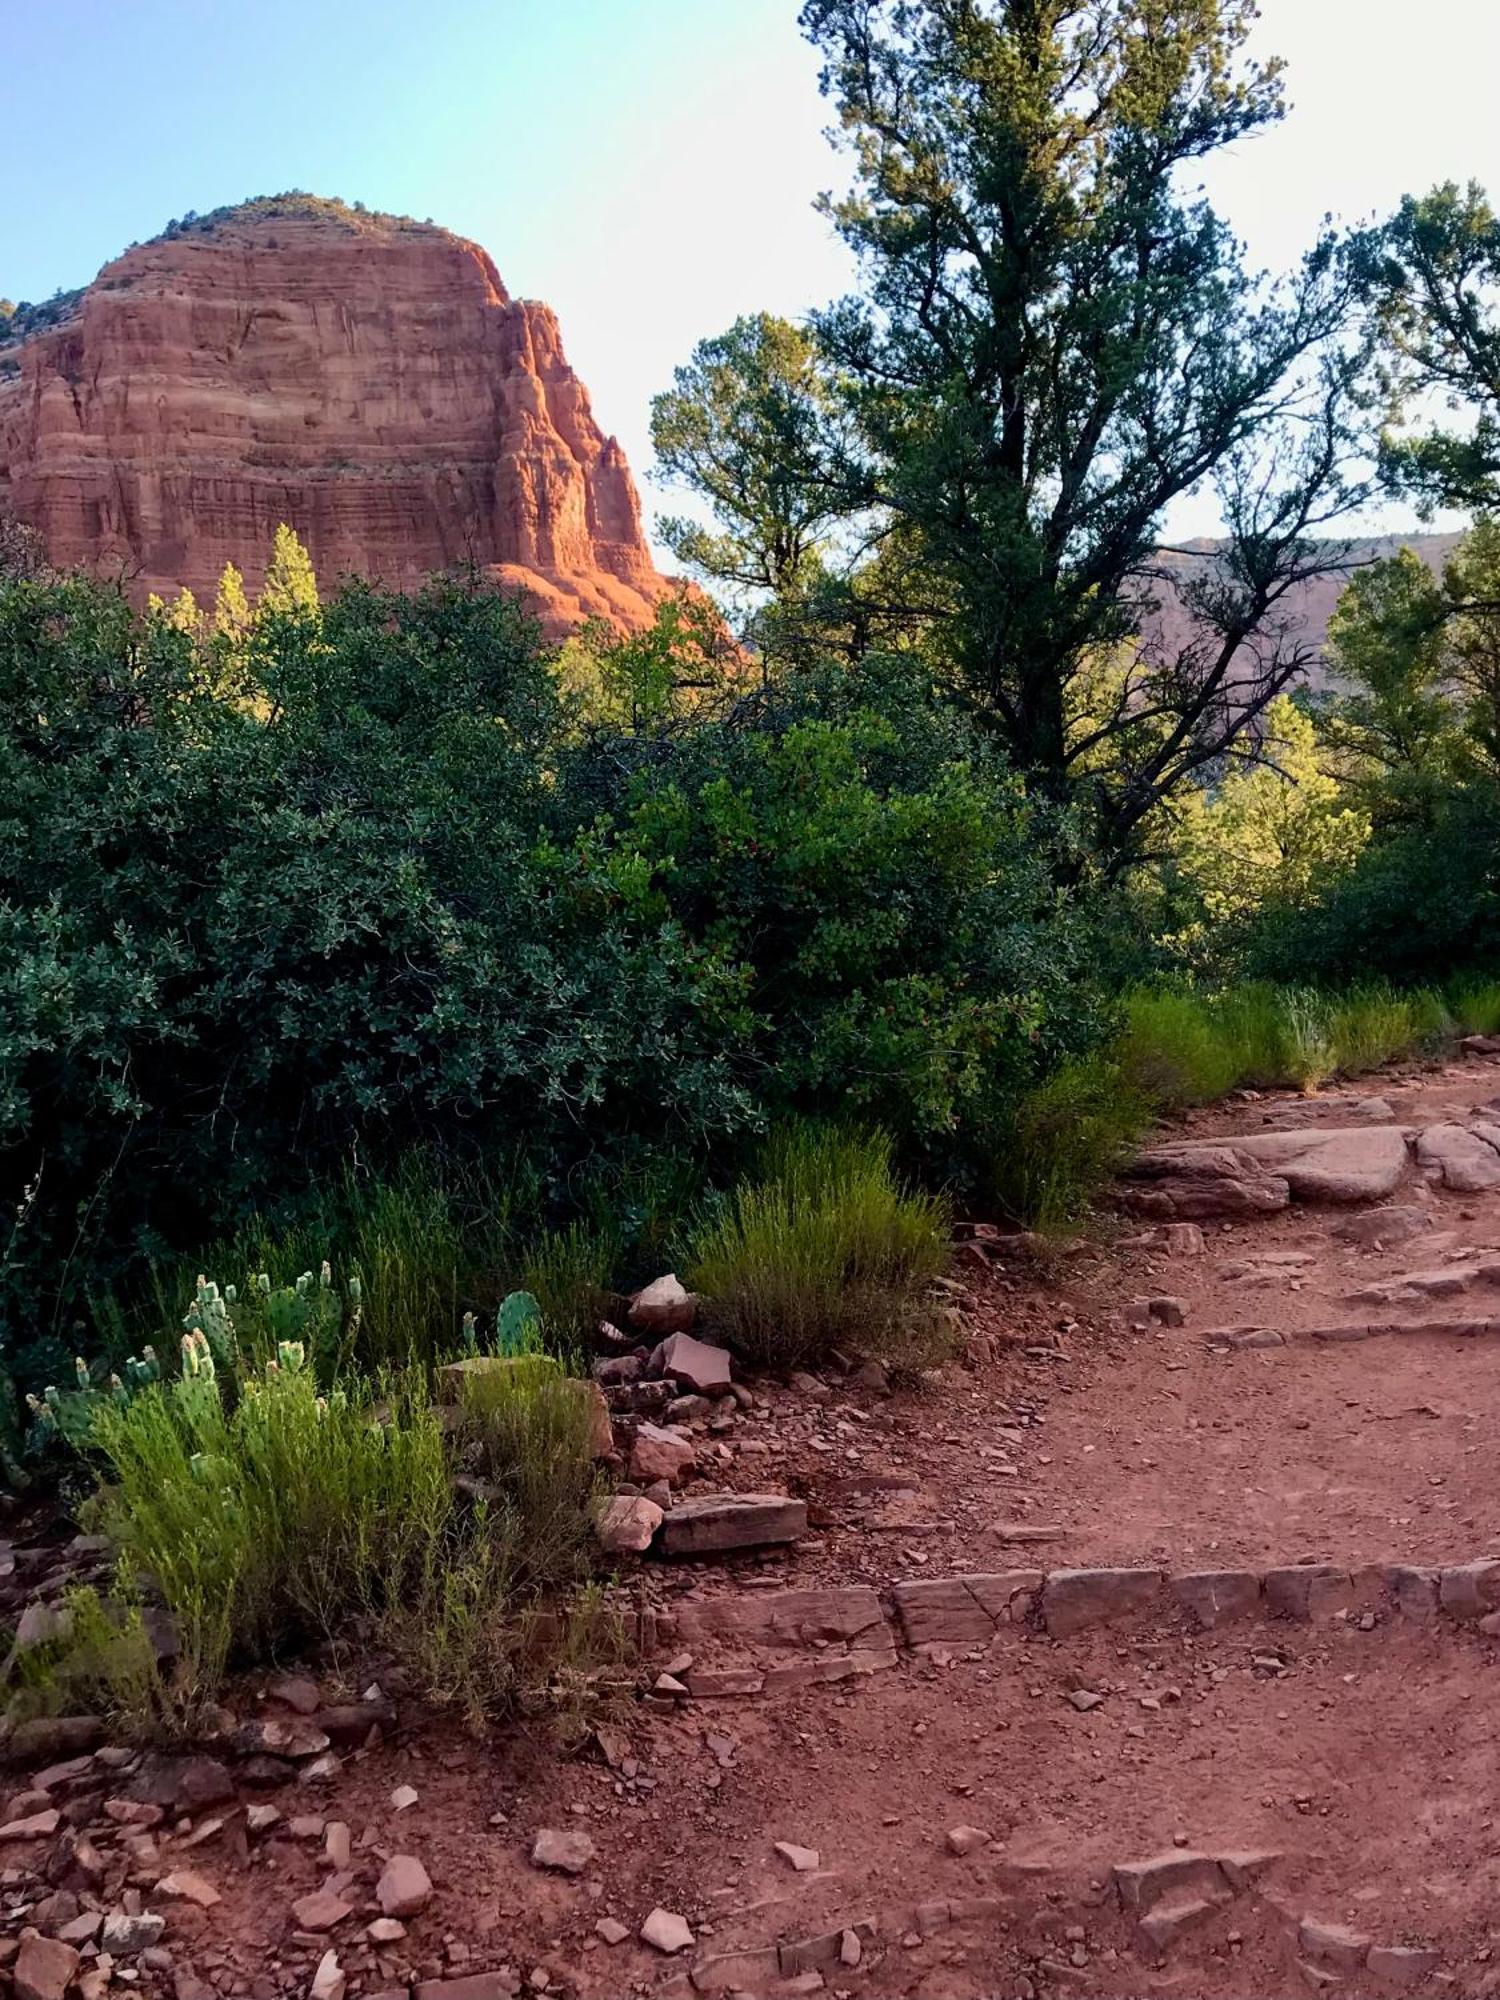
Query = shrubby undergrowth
x=255 y=1513
x=287 y=898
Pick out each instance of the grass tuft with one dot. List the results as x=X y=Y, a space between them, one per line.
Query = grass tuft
x=567 y=1272
x=1476 y=1006
x=824 y=1250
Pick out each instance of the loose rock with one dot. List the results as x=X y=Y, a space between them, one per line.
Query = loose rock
x=404 y=1888
x=567 y=1853
x=186 y=1886
x=1401 y=1966
x=44 y=1969
x=626 y=1525
x=321 y=1911
x=693 y=1364
x=660 y=1454
x=328 y=1982
x=1336 y=1944
x=125 y=1935
x=803 y=1859
x=666 y=1932
x=715 y=1522
x=297 y=1691
x=1390 y=1226
x=664 y=1307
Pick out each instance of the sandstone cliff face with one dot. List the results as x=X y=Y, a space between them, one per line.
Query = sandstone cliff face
x=373 y=385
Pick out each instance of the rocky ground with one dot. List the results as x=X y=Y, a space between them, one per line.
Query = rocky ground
x=1146 y=1650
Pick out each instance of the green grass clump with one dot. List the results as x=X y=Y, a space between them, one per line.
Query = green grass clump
x=406 y=1241
x=1372 y=1025
x=482 y=1627
x=282 y=1517
x=567 y=1271
x=1174 y=1048
x=527 y=1433
x=273 y=1524
x=1067 y=1138
x=825 y=1249
x=1177 y=1046
x=1476 y=1006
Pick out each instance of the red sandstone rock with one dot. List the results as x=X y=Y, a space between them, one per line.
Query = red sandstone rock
x=370 y=382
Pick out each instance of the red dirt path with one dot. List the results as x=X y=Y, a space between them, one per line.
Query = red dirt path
x=1368 y=1760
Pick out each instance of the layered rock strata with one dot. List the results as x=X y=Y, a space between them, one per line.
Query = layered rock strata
x=369 y=381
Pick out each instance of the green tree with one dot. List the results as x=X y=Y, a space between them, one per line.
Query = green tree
x=1471 y=590
x=1418 y=657
x=290 y=588
x=744 y=425
x=1276 y=828
x=1054 y=340
x=653 y=681
x=1433 y=275
x=1395 y=717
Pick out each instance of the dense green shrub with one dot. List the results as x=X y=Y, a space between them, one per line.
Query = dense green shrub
x=1421 y=904
x=239 y=936
x=347 y=881
x=824 y=1249
x=875 y=902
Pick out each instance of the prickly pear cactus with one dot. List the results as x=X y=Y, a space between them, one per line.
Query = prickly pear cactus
x=210 y=1326
x=66 y=1416
x=518 y=1325
x=313 y=1319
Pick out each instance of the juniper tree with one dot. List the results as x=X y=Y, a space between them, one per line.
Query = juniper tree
x=1433 y=275
x=1054 y=340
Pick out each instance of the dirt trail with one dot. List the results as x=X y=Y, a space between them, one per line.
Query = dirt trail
x=1316 y=1780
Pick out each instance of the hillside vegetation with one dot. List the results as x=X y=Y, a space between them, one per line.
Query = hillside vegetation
x=386 y=985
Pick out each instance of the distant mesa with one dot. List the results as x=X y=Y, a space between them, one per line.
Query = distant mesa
x=1307 y=608
x=364 y=377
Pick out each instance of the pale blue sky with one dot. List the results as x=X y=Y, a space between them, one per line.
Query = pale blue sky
x=646 y=166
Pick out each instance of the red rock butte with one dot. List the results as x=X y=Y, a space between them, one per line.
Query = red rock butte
x=365 y=378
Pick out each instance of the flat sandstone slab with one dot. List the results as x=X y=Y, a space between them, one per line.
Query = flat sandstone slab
x=718 y=1522
x=789 y=1619
x=1348 y=1163
x=964 y=1610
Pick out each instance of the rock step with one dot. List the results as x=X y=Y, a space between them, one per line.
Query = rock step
x=1240 y=1339
x=1160 y=1900
x=1260 y=1173
x=849 y=1632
